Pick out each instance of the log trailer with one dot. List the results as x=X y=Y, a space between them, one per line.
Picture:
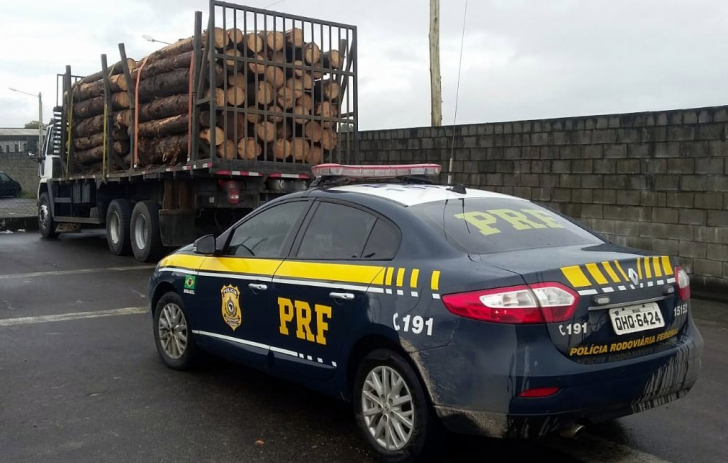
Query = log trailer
x=194 y=136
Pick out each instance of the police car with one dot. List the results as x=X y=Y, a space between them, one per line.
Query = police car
x=431 y=306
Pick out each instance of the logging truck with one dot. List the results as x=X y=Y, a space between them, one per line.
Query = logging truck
x=185 y=141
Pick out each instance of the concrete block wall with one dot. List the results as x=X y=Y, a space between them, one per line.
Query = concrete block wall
x=21 y=168
x=654 y=180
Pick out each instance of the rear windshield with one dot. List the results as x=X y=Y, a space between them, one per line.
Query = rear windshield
x=490 y=225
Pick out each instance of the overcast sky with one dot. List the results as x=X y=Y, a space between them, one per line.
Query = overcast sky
x=523 y=59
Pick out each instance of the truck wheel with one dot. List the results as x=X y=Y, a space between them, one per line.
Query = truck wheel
x=391 y=409
x=146 y=242
x=46 y=224
x=172 y=333
x=118 y=227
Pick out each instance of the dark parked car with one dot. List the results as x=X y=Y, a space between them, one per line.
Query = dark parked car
x=8 y=186
x=422 y=304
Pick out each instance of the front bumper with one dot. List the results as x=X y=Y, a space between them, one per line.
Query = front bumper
x=480 y=396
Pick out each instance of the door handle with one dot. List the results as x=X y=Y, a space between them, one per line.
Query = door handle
x=342 y=296
x=258 y=286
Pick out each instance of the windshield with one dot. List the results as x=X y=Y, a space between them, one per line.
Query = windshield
x=490 y=225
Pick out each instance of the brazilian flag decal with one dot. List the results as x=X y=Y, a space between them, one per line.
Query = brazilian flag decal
x=190 y=282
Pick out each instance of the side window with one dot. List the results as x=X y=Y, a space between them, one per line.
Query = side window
x=383 y=242
x=336 y=232
x=265 y=234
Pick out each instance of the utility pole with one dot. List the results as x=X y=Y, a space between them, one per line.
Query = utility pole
x=435 y=79
x=40 y=116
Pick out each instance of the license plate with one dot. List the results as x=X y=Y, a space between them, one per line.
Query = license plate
x=634 y=318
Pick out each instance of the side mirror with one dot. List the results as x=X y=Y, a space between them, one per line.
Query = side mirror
x=205 y=245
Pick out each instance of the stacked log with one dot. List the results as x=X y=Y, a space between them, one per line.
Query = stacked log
x=276 y=97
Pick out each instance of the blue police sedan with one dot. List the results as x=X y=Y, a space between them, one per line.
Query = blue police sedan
x=429 y=305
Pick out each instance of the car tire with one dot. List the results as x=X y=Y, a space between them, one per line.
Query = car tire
x=118 y=227
x=146 y=241
x=418 y=441
x=172 y=333
x=46 y=224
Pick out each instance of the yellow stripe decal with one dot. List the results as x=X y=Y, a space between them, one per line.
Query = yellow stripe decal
x=189 y=261
x=666 y=266
x=362 y=274
x=610 y=272
x=576 y=276
x=400 y=277
x=596 y=274
x=639 y=267
x=413 y=278
x=266 y=267
x=621 y=270
x=648 y=270
x=388 y=278
x=435 y=282
x=656 y=264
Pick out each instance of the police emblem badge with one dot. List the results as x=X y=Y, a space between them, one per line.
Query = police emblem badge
x=231 y=306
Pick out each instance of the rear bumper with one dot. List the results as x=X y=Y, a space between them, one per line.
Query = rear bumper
x=481 y=397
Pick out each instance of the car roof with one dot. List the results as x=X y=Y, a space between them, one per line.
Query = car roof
x=413 y=194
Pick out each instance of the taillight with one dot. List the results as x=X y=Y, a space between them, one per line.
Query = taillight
x=537 y=303
x=537 y=392
x=683 y=283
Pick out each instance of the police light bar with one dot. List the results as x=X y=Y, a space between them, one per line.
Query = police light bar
x=375 y=171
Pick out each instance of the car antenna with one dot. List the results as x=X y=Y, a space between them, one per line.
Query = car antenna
x=459 y=188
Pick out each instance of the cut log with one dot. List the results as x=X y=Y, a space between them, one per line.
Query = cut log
x=333 y=59
x=265 y=131
x=295 y=87
x=169 y=64
x=257 y=68
x=329 y=89
x=89 y=90
x=227 y=150
x=285 y=98
x=234 y=124
x=299 y=70
x=248 y=148
x=220 y=38
x=313 y=131
x=299 y=111
x=235 y=95
x=162 y=151
x=239 y=79
x=315 y=155
x=253 y=43
x=236 y=36
x=275 y=40
x=282 y=148
x=114 y=69
x=177 y=48
x=294 y=38
x=95 y=106
x=219 y=97
x=170 y=83
x=311 y=53
x=262 y=95
x=252 y=117
x=306 y=101
x=278 y=57
x=329 y=140
x=169 y=126
x=278 y=114
x=326 y=109
x=232 y=63
x=300 y=149
x=96 y=154
x=94 y=125
x=206 y=135
x=164 y=107
x=97 y=139
x=275 y=76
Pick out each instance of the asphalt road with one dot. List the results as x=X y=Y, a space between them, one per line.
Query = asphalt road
x=76 y=388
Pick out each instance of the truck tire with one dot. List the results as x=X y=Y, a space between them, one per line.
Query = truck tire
x=118 y=227
x=146 y=242
x=46 y=224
